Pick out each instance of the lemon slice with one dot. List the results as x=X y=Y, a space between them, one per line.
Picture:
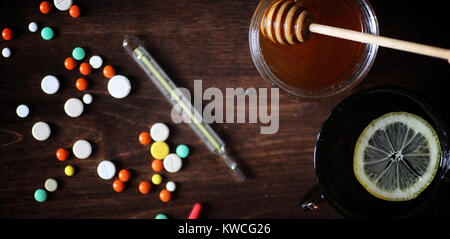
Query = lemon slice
x=397 y=156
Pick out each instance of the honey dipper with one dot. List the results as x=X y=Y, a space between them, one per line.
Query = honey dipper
x=290 y=22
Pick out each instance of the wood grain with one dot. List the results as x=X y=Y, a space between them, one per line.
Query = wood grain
x=195 y=39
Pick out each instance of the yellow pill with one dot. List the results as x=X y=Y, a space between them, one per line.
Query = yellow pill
x=159 y=150
x=156 y=179
x=69 y=170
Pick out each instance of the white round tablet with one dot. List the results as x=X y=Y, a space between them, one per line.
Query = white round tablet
x=51 y=185
x=159 y=132
x=33 y=27
x=63 y=5
x=119 y=86
x=6 y=52
x=22 y=111
x=172 y=163
x=73 y=107
x=82 y=149
x=50 y=84
x=96 y=61
x=171 y=186
x=106 y=169
x=41 y=131
x=87 y=98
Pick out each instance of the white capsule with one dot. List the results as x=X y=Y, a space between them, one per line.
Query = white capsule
x=41 y=131
x=172 y=163
x=50 y=84
x=22 y=111
x=63 y=5
x=106 y=169
x=96 y=61
x=159 y=132
x=82 y=149
x=119 y=86
x=87 y=98
x=171 y=186
x=6 y=52
x=73 y=107
x=51 y=185
x=33 y=27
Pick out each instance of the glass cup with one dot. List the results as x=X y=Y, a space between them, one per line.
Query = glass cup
x=369 y=25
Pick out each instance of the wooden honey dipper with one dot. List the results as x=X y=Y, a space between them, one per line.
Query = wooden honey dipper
x=290 y=22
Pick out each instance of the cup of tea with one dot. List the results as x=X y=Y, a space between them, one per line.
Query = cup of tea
x=334 y=156
x=322 y=66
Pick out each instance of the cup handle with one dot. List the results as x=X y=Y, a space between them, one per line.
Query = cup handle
x=312 y=199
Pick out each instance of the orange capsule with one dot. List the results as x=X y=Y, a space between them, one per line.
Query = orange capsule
x=45 y=7
x=144 y=187
x=70 y=63
x=124 y=175
x=85 y=68
x=7 y=33
x=157 y=165
x=118 y=185
x=144 y=138
x=62 y=154
x=74 y=11
x=165 y=195
x=81 y=84
x=108 y=71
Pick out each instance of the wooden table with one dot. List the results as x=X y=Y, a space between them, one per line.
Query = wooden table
x=195 y=39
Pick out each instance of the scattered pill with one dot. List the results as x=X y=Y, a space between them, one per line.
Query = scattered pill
x=6 y=52
x=124 y=175
x=159 y=150
x=157 y=165
x=62 y=154
x=106 y=169
x=70 y=63
x=81 y=84
x=172 y=163
x=171 y=186
x=45 y=7
x=144 y=187
x=96 y=62
x=85 y=68
x=73 y=107
x=82 y=149
x=69 y=170
x=63 y=5
x=74 y=11
x=182 y=150
x=144 y=138
x=161 y=216
x=159 y=132
x=87 y=98
x=78 y=53
x=109 y=71
x=51 y=185
x=7 y=34
x=195 y=211
x=165 y=195
x=40 y=195
x=50 y=84
x=119 y=86
x=118 y=185
x=41 y=131
x=156 y=179
x=33 y=27
x=22 y=111
x=47 y=33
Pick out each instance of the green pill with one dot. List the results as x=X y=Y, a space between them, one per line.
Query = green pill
x=78 y=53
x=182 y=151
x=161 y=216
x=40 y=195
x=47 y=33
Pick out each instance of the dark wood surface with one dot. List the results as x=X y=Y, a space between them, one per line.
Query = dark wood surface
x=195 y=39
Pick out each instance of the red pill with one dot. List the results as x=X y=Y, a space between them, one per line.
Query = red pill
x=108 y=71
x=165 y=195
x=85 y=68
x=118 y=185
x=74 y=11
x=70 y=63
x=45 y=7
x=157 y=165
x=145 y=187
x=124 y=175
x=144 y=138
x=7 y=33
x=81 y=84
x=62 y=154
x=195 y=211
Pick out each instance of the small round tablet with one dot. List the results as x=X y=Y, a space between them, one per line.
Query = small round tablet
x=51 y=185
x=22 y=111
x=6 y=52
x=96 y=62
x=73 y=107
x=82 y=149
x=106 y=169
x=182 y=150
x=78 y=53
x=119 y=86
x=87 y=98
x=172 y=163
x=159 y=132
x=40 y=195
x=41 y=131
x=50 y=84
x=63 y=5
x=33 y=27
x=171 y=186
x=47 y=33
